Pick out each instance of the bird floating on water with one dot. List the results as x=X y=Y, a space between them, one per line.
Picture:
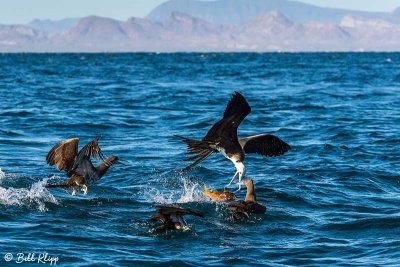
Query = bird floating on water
x=172 y=218
x=222 y=138
x=78 y=166
x=249 y=205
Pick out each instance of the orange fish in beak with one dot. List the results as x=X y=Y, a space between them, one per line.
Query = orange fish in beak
x=219 y=195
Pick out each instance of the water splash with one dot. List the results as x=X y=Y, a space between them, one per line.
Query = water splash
x=2 y=174
x=35 y=197
x=186 y=192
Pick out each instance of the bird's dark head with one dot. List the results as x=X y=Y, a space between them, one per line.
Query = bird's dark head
x=111 y=160
x=107 y=163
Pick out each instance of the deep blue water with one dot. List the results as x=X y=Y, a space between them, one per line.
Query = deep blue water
x=334 y=199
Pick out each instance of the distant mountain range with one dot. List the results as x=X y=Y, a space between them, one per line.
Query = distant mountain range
x=224 y=25
x=239 y=11
x=52 y=26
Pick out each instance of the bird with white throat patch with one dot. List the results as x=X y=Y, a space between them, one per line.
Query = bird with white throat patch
x=222 y=138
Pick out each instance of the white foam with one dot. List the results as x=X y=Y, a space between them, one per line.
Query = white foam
x=36 y=196
x=2 y=174
x=187 y=191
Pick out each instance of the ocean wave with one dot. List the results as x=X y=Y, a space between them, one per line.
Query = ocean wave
x=340 y=181
x=34 y=197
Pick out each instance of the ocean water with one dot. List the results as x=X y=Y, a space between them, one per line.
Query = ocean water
x=334 y=199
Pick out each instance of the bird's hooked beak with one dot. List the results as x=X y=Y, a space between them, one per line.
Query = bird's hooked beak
x=233 y=178
x=122 y=162
x=239 y=184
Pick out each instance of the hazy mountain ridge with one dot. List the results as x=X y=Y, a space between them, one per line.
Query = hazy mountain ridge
x=19 y=35
x=240 y=11
x=269 y=31
x=53 y=26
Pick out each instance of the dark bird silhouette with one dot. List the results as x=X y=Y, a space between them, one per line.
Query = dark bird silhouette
x=172 y=218
x=223 y=138
x=78 y=166
x=241 y=208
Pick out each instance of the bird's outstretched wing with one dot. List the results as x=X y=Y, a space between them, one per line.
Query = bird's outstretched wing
x=226 y=129
x=165 y=212
x=224 y=132
x=91 y=149
x=245 y=208
x=265 y=144
x=237 y=105
x=63 y=154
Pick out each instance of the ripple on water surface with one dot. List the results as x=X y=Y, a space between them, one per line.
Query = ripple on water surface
x=332 y=200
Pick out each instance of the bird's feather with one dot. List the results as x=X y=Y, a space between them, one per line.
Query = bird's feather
x=225 y=130
x=264 y=144
x=237 y=105
x=199 y=151
x=91 y=149
x=63 y=154
x=178 y=211
x=246 y=207
x=223 y=133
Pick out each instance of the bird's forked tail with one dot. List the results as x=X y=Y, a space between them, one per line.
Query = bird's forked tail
x=199 y=151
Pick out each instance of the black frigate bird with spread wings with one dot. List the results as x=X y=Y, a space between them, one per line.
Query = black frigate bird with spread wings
x=223 y=138
x=172 y=218
x=78 y=166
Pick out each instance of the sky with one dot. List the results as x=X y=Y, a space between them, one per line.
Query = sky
x=23 y=11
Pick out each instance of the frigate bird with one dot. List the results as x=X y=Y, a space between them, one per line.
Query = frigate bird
x=172 y=218
x=249 y=205
x=78 y=166
x=223 y=138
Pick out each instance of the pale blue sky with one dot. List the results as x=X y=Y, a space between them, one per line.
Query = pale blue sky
x=22 y=11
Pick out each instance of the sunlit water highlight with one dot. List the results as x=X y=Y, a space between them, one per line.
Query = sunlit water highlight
x=333 y=199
